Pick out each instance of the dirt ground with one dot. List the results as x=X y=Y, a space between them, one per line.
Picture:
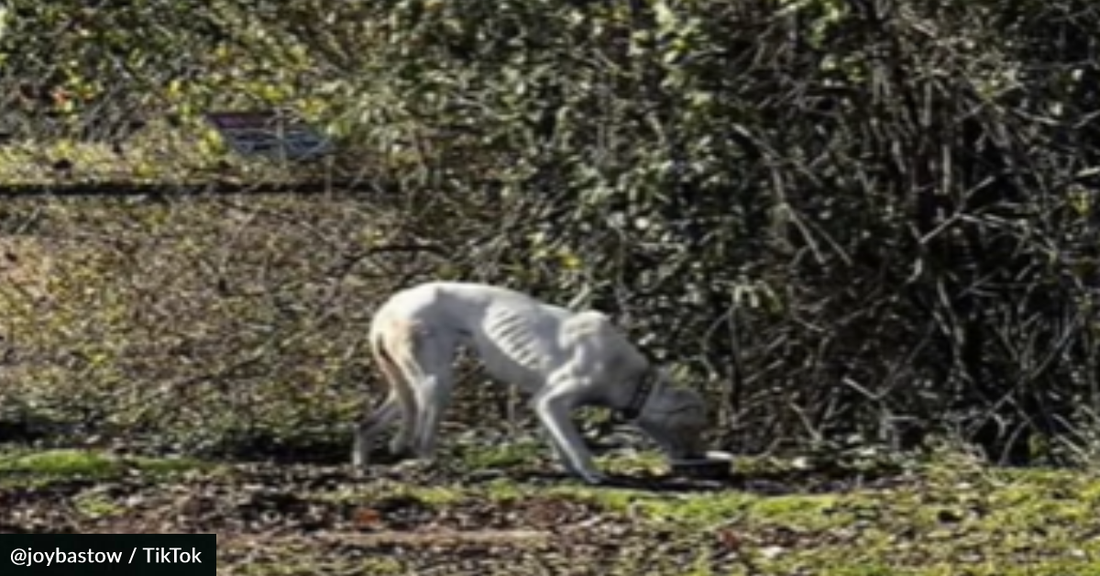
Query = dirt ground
x=520 y=517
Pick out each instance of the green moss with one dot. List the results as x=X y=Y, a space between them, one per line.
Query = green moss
x=500 y=456
x=96 y=506
x=806 y=511
x=49 y=465
x=434 y=496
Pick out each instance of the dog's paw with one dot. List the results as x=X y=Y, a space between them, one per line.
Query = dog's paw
x=414 y=467
x=360 y=458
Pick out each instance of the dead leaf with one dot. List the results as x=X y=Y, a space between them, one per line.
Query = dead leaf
x=729 y=539
x=367 y=518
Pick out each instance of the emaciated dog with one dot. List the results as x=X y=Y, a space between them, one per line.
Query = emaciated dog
x=561 y=359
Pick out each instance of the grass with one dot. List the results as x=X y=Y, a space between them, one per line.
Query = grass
x=96 y=506
x=23 y=466
x=945 y=517
x=493 y=457
x=952 y=519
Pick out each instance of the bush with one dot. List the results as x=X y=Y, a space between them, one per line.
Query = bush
x=846 y=220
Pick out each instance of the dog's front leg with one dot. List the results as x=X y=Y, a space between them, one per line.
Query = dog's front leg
x=553 y=408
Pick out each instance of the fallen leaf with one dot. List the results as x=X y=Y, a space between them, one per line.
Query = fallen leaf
x=367 y=518
x=729 y=539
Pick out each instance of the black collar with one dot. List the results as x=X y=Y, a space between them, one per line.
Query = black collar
x=646 y=383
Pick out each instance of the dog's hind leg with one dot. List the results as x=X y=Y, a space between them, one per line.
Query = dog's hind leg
x=392 y=344
x=435 y=357
x=402 y=443
x=366 y=430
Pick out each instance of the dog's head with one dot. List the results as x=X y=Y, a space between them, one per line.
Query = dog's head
x=675 y=419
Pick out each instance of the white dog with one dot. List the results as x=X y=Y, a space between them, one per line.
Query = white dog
x=562 y=359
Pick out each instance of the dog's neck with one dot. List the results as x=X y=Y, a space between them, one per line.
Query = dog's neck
x=643 y=389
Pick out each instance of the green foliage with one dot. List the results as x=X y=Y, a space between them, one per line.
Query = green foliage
x=848 y=223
